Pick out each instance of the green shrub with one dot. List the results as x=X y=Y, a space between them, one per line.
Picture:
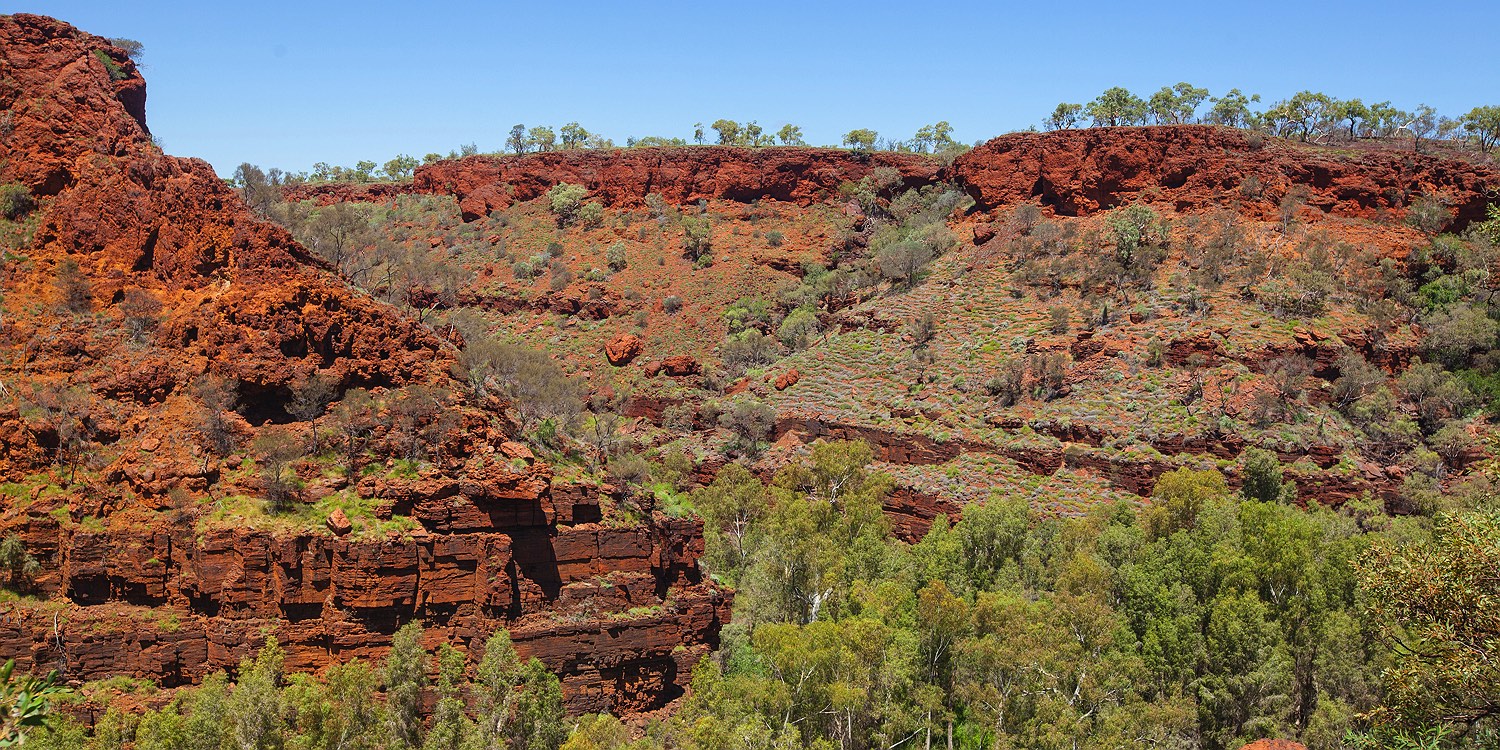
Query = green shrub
x=615 y=257
x=116 y=73
x=15 y=201
x=565 y=201
x=697 y=236
x=591 y=214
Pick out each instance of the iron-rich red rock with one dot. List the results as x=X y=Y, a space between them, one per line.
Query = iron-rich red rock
x=679 y=175
x=1080 y=172
x=623 y=348
x=240 y=299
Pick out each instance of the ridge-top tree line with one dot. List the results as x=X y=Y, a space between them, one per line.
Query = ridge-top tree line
x=936 y=138
x=1308 y=116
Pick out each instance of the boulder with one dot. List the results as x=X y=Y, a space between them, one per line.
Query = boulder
x=983 y=233
x=787 y=379
x=623 y=348
x=681 y=366
x=339 y=523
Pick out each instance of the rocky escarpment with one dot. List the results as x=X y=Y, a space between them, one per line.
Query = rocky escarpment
x=679 y=175
x=620 y=613
x=1074 y=173
x=146 y=283
x=1079 y=172
x=329 y=193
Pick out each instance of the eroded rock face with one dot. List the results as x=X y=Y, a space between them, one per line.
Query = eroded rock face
x=1274 y=745
x=329 y=193
x=679 y=175
x=184 y=607
x=1079 y=172
x=150 y=588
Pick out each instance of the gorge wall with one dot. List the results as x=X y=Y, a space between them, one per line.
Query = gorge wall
x=141 y=278
x=1071 y=173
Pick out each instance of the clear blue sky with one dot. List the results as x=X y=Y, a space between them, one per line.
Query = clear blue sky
x=288 y=84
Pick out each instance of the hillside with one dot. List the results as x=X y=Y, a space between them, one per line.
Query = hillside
x=1269 y=256
x=166 y=360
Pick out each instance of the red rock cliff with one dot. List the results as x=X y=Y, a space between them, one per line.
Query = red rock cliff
x=138 y=577
x=679 y=175
x=1079 y=172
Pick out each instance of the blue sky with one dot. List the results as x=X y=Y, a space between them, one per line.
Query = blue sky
x=289 y=84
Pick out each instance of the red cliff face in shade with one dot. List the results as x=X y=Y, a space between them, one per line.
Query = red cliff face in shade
x=1080 y=172
x=1274 y=745
x=680 y=175
x=149 y=586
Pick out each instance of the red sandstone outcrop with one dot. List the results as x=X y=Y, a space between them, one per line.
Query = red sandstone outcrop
x=1079 y=172
x=329 y=193
x=678 y=366
x=787 y=379
x=623 y=348
x=679 y=175
x=148 y=587
x=1274 y=745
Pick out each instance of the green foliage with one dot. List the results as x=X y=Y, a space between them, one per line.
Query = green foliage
x=451 y=729
x=1263 y=478
x=1458 y=331
x=615 y=257
x=25 y=703
x=935 y=138
x=697 y=237
x=790 y=135
x=1179 y=498
x=116 y=71
x=565 y=201
x=798 y=328
x=728 y=130
x=591 y=214
x=1428 y=215
x=746 y=350
x=15 y=201
x=861 y=139
x=1140 y=236
x=1439 y=605
x=605 y=732
x=1064 y=117
x=747 y=312
x=403 y=679
x=537 y=386
x=506 y=705
x=340 y=711
x=1116 y=106
x=1483 y=125
x=1175 y=105
x=132 y=48
x=256 y=711
x=749 y=422
x=17 y=563
x=537 y=723
x=1226 y=621
x=400 y=168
